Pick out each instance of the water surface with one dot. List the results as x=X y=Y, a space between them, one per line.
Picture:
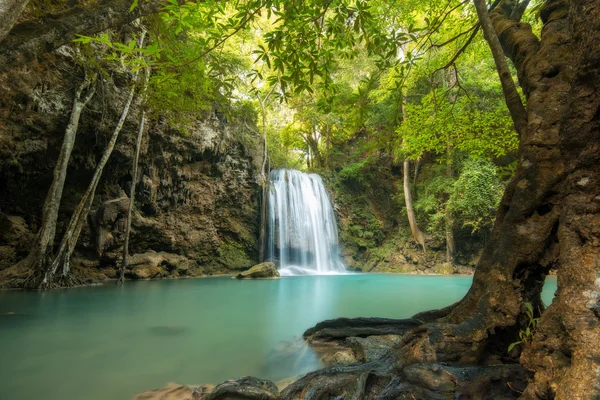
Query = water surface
x=111 y=342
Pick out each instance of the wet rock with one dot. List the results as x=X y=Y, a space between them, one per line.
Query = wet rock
x=443 y=269
x=146 y=272
x=343 y=357
x=246 y=388
x=157 y=265
x=373 y=347
x=174 y=391
x=341 y=328
x=263 y=271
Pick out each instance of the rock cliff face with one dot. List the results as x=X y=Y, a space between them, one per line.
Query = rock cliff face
x=373 y=226
x=196 y=207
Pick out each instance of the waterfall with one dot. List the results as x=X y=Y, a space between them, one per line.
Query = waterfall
x=302 y=232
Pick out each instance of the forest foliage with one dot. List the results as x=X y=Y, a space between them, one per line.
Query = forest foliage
x=403 y=81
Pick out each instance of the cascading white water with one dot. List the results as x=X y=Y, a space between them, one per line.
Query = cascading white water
x=302 y=232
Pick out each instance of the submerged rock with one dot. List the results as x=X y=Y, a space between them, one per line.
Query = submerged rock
x=174 y=391
x=263 y=271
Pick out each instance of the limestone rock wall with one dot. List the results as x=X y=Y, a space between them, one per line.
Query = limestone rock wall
x=197 y=197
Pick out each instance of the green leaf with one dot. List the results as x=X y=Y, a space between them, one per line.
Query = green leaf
x=133 y=5
x=529 y=307
x=512 y=345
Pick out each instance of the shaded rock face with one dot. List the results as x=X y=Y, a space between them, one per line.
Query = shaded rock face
x=260 y=271
x=15 y=237
x=197 y=196
x=374 y=230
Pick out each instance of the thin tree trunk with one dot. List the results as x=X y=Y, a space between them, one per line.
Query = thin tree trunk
x=452 y=80
x=39 y=253
x=416 y=174
x=134 y=177
x=327 y=146
x=79 y=216
x=10 y=11
x=264 y=179
x=264 y=129
x=410 y=212
x=450 y=244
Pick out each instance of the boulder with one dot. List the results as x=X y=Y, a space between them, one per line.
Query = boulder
x=344 y=357
x=372 y=348
x=263 y=271
x=443 y=269
x=248 y=387
x=158 y=265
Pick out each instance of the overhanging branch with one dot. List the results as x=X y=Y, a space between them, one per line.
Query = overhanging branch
x=511 y=95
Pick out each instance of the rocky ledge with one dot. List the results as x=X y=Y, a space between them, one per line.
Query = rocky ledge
x=266 y=270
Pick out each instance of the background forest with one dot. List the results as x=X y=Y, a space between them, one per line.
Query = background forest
x=396 y=104
x=364 y=95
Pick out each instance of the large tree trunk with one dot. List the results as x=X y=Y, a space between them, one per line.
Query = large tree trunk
x=549 y=215
x=43 y=244
x=31 y=39
x=10 y=11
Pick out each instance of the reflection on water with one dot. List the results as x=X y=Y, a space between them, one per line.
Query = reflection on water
x=113 y=341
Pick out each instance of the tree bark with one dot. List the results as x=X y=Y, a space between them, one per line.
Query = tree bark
x=43 y=244
x=134 y=177
x=410 y=212
x=10 y=11
x=31 y=39
x=513 y=100
x=79 y=217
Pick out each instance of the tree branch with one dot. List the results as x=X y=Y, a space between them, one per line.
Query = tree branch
x=519 y=10
x=518 y=41
x=513 y=100
x=461 y=50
